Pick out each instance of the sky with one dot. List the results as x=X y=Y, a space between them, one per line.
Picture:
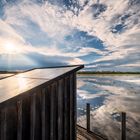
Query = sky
x=102 y=34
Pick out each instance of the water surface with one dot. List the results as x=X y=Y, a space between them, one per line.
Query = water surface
x=109 y=95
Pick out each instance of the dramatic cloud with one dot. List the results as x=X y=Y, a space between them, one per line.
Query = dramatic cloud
x=104 y=35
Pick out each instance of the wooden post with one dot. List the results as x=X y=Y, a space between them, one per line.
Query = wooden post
x=88 y=116
x=123 y=126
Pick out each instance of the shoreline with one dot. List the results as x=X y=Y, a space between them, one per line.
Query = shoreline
x=108 y=74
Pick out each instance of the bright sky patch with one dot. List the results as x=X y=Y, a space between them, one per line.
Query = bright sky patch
x=103 y=35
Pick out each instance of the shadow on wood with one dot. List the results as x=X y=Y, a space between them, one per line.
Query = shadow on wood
x=39 y=105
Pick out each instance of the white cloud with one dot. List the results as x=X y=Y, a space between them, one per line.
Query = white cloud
x=57 y=22
x=120 y=45
x=47 y=17
x=6 y=31
x=137 y=64
x=84 y=51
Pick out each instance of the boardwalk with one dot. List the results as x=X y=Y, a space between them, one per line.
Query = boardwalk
x=82 y=134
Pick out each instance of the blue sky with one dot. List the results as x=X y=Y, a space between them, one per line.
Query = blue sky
x=102 y=34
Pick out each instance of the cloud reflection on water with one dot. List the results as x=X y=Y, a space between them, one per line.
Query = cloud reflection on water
x=108 y=95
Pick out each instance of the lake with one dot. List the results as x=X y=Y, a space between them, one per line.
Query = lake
x=109 y=95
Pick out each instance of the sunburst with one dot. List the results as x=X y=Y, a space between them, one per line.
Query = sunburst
x=11 y=48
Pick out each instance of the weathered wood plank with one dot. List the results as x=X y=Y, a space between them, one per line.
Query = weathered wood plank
x=0 y=124
x=9 y=123
x=36 y=116
x=88 y=116
x=60 y=109
x=26 y=120
x=72 y=109
x=3 y=124
x=38 y=130
x=123 y=126
x=12 y=123
x=53 y=113
x=67 y=109
x=49 y=73
x=74 y=105
x=21 y=83
x=33 y=116
x=33 y=107
x=46 y=93
x=88 y=135
x=19 y=121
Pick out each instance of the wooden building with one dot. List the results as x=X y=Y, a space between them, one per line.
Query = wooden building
x=39 y=104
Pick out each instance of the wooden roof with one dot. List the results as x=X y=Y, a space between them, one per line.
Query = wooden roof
x=4 y=75
x=21 y=83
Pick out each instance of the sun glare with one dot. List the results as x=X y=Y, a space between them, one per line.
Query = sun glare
x=22 y=82
x=10 y=48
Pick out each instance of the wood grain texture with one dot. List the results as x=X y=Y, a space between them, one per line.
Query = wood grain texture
x=54 y=112
x=26 y=113
x=21 y=83
x=39 y=105
x=36 y=122
x=19 y=120
x=74 y=105
x=3 y=123
x=9 y=123
x=83 y=134
x=50 y=73
x=60 y=109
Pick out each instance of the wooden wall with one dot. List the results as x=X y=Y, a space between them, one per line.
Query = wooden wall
x=44 y=113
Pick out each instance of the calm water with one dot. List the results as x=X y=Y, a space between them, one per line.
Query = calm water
x=109 y=95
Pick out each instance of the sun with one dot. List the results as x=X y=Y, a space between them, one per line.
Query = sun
x=10 y=48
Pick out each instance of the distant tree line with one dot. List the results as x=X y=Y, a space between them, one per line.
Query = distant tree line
x=9 y=72
x=106 y=72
